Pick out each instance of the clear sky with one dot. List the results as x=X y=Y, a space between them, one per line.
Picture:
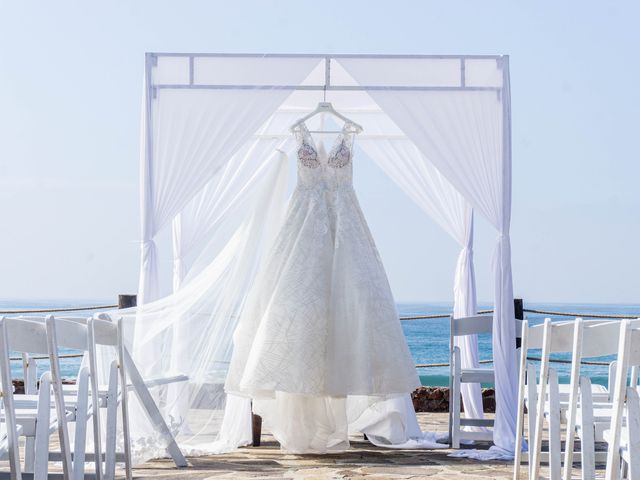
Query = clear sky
x=70 y=92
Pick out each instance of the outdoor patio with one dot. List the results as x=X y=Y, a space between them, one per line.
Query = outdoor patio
x=363 y=461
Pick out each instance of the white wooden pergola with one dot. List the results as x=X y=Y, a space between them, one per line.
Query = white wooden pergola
x=438 y=125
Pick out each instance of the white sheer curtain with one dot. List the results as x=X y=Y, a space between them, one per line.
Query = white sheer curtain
x=461 y=133
x=190 y=331
x=193 y=133
x=420 y=180
x=206 y=212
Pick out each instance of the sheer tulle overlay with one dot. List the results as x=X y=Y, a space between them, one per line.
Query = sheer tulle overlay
x=319 y=347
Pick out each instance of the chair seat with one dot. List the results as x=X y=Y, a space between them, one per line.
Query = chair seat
x=601 y=420
x=624 y=448
x=149 y=383
x=601 y=413
x=4 y=440
x=601 y=417
x=27 y=418
x=598 y=392
x=30 y=401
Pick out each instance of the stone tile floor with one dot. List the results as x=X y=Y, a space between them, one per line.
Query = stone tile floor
x=363 y=461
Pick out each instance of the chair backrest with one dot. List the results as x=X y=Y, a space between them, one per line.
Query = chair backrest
x=535 y=333
x=478 y=324
x=634 y=352
x=562 y=336
x=600 y=339
x=26 y=336
x=105 y=332
x=34 y=338
x=471 y=325
x=72 y=334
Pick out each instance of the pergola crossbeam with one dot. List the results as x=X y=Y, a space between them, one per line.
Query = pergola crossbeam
x=345 y=88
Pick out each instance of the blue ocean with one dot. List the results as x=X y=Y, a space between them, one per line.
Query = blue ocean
x=428 y=339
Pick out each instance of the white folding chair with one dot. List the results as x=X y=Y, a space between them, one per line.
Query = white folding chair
x=629 y=447
x=457 y=376
x=70 y=335
x=623 y=437
x=558 y=397
x=85 y=334
x=589 y=413
x=107 y=332
x=77 y=336
x=41 y=420
x=557 y=338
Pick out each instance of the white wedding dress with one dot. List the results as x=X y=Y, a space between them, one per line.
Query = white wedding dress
x=319 y=347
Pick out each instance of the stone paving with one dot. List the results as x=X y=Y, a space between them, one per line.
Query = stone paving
x=362 y=461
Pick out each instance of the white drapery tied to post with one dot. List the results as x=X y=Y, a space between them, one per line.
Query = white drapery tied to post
x=504 y=348
x=465 y=305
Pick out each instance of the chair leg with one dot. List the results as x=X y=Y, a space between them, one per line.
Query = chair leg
x=454 y=406
x=112 y=421
x=41 y=441
x=30 y=388
x=82 y=417
x=124 y=404
x=544 y=378
x=520 y=420
x=633 y=430
x=587 y=440
x=124 y=408
x=29 y=454
x=555 y=445
x=451 y=399
x=532 y=409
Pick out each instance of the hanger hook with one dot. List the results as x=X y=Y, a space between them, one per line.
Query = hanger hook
x=324 y=93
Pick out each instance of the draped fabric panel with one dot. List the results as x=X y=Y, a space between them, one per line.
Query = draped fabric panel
x=461 y=133
x=206 y=212
x=191 y=134
x=419 y=179
x=505 y=332
x=190 y=331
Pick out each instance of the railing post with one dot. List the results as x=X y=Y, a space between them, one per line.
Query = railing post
x=256 y=429
x=127 y=301
x=518 y=309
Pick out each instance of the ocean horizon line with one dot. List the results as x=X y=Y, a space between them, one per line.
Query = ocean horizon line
x=81 y=302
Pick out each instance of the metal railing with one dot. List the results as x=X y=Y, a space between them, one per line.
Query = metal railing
x=403 y=318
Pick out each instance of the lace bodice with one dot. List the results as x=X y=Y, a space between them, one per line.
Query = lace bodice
x=325 y=171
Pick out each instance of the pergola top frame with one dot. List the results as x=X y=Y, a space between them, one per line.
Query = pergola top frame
x=152 y=60
x=327 y=55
